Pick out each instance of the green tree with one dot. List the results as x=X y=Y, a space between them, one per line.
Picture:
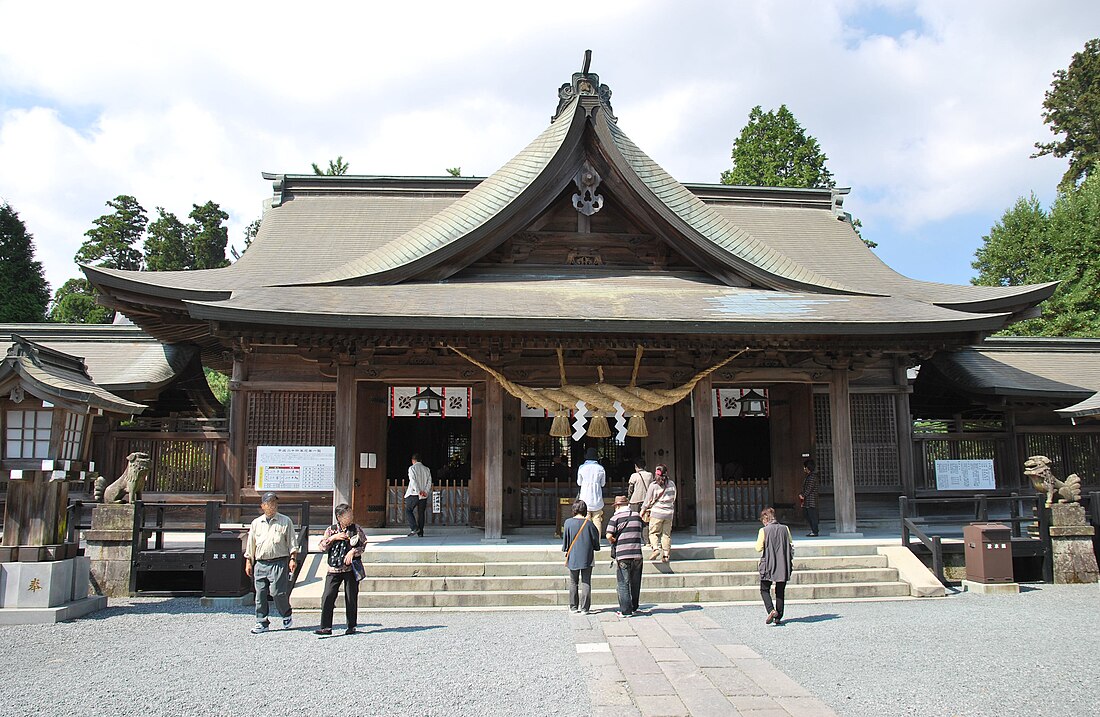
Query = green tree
x=75 y=303
x=111 y=242
x=218 y=383
x=336 y=167
x=1029 y=246
x=1072 y=108
x=22 y=283
x=454 y=171
x=250 y=233
x=168 y=244
x=773 y=150
x=209 y=236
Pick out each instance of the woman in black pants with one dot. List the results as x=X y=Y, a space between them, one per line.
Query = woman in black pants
x=343 y=542
x=776 y=562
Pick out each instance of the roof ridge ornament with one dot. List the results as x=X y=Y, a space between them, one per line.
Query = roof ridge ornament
x=584 y=83
x=586 y=200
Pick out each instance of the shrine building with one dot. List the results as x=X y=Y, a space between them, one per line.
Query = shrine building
x=579 y=263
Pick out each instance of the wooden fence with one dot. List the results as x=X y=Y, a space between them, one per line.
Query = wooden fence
x=454 y=503
x=183 y=462
x=740 y=500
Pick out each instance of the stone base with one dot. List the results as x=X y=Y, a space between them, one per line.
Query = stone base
x=494 y=541
x=1072 y=540
x=246 y=600
x=50 y=615
x=110 y=549
x=991 y=588
x=43 y=585
x=706 y=538
x=845 y=535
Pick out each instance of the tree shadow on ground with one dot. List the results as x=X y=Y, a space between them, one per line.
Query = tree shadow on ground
x=668 y=610
x=824 y=617
x=404 y=629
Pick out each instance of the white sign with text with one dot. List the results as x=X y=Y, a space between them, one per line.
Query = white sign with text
x=291 y=468
x=965 y=475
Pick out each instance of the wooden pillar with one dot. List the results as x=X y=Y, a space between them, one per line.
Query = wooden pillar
x=494 y=461
x=904 y=419
x=238 y=430
x=703 y=399
x=660 y=445
x=477 y=457
x=683 y=470
x=347 y=399
x=840 y=419
x=368 y=496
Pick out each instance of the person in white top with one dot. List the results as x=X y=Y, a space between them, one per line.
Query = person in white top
x=591 y=477
x=416 y=495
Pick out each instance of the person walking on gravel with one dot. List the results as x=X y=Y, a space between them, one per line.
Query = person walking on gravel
x=416 y=495
x=591 y=477
x=658 y=509
x=624 y=532
x=774 y=544
x=270 y=559
x=343 y=544
x=579 y=541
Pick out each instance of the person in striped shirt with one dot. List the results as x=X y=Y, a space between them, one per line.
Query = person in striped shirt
x=624 y=532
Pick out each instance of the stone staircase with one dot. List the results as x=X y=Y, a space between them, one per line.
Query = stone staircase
x=449 y=578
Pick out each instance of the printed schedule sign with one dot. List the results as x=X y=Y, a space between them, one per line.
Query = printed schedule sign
x=965 y=475
x=295 y=468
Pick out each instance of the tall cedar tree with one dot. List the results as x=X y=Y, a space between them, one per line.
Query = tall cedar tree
x=336 y=167
x=1072 y=108
x=75 y=303
x=111 y=243
x=167 y=246
x=200 y=244
x=1029 y=245
x=24 y=293
x=775 y=151
x=209 y=236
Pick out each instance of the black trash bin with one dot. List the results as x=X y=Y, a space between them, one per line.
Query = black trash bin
x=224 y=574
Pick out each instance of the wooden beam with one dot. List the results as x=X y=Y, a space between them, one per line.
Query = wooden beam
x=477 y=457
x=347 y=398
x=840 y=420
x=237 y=461
x=494 y=461
x=683 y=470
x=705 y=518
x=904 y=419
x=369 y=490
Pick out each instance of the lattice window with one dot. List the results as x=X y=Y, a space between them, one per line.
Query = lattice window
x=27 y=434
x=823 y=442
x=289 y=418
x=874 y=442
x=73 y=436
x=1071 y=453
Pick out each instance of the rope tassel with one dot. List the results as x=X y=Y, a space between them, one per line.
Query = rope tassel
x=598 y=428
x=636 y=427
x=560 y=427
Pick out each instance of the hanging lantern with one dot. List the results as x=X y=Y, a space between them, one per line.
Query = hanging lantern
x=636 y=427
x=754 y=404
x=560 y=427
x=597 y=427
x=427 y=403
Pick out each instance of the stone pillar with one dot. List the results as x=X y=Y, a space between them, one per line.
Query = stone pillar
x=1071 y=540
x=347 y=398
x=840 y=421
x=494 y=462
x=705 y=519
x=110 y=548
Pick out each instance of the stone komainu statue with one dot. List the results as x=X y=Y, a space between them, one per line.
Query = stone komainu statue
x=127 y=488
x=1037 y=468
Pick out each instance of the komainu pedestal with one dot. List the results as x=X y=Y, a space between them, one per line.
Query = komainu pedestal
x=111 y=548
x=1071 y=537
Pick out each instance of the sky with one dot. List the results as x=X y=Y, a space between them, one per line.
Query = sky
x=927 y=110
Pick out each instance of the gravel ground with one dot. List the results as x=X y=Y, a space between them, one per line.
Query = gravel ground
x=174 y=657
x=1029 y=654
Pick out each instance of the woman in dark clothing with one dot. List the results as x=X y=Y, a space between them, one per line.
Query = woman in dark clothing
x=580 y=540
x=343 y=542
x=808 y=496
x=774 y=544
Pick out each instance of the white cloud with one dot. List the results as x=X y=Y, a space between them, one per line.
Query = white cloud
x=177 y=105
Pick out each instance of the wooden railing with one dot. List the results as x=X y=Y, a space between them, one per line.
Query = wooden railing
x=930 y=447
x=1022 y=510
x=740 y=500
x=454 y=503
x=539 y=501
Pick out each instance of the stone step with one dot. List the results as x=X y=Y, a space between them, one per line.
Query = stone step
x=555 y=567
x=655 y=581
x=607 y=597
x=803 y=549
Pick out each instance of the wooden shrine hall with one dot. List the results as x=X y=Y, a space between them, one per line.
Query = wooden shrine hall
x=579 y=263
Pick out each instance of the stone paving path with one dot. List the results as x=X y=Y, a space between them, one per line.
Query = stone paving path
x=680 y=663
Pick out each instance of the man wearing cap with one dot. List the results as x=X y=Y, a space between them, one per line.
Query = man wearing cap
x=270 y=559
x=624 y=532
x=591 y=477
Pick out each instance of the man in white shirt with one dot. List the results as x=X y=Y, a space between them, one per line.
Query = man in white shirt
x=591 y=477
x=416 y=495
x=270 y=559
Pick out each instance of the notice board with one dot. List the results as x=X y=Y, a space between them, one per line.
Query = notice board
x=289 y=468
x=966 y=475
